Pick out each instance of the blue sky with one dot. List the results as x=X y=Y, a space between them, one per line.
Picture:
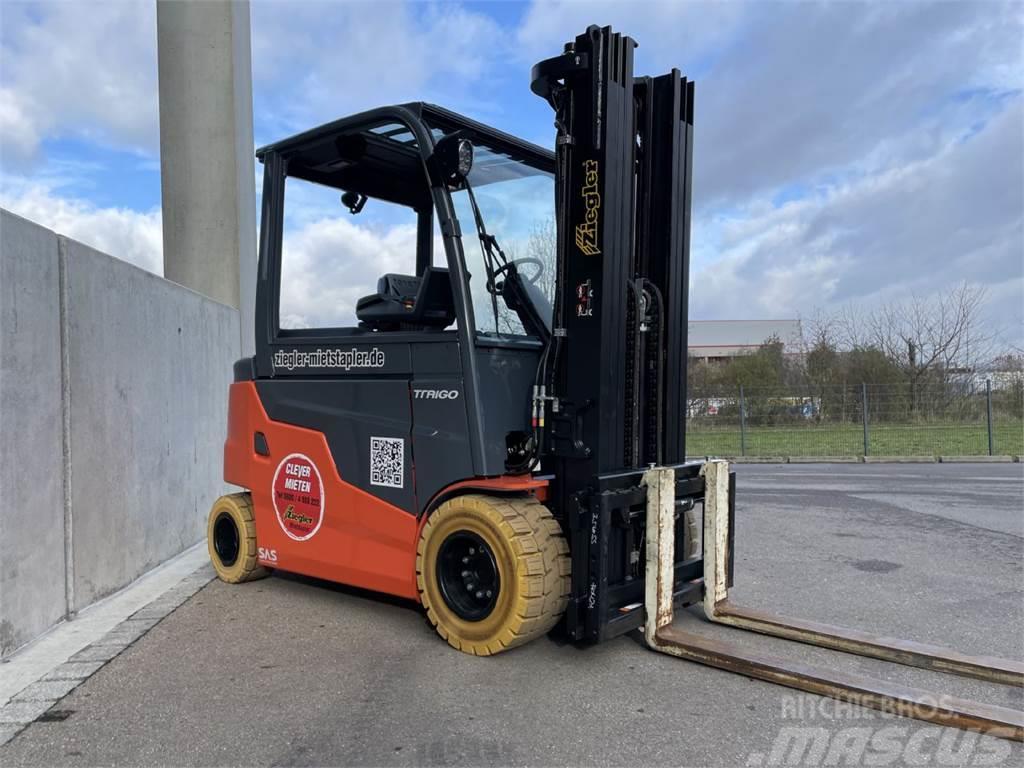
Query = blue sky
x=847 y=154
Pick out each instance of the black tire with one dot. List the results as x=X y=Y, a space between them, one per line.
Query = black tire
x=231 y=539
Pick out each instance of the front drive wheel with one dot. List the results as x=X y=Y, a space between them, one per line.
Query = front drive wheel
x=492 y=572
x=231 y=539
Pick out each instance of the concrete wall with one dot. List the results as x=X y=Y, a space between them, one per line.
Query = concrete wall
x=31 y=446
x=113 y=396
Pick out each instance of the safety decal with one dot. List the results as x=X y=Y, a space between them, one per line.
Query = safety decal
x=584 y=299
x=298 y=497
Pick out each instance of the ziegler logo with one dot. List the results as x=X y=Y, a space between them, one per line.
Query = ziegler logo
x=436 y=394
x=586 y=233
x=291 y=514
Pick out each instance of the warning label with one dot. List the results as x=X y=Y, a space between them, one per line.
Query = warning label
x=298 y=497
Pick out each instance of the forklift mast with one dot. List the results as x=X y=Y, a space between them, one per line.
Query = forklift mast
x=614 y=373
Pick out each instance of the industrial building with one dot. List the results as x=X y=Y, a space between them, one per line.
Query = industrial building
x=720 y=340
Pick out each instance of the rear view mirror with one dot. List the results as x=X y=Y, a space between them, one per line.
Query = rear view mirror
x=454 y=155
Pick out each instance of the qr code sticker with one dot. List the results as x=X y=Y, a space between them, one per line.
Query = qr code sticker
x=387 y=461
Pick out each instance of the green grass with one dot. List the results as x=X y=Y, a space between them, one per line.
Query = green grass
x=925 y=439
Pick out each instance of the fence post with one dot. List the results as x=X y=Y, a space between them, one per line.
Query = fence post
x=864 y=413
x=988 y=412
x=743 y=424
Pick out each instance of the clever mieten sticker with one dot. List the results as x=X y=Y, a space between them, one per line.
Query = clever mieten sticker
x=298 y=497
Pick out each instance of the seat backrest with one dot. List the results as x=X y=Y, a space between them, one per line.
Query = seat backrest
x=399 y=286
x=435 y=306
x=406 y=302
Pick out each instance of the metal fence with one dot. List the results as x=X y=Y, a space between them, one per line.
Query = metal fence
x=858 y=420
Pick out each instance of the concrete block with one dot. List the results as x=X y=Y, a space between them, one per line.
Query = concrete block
x=976 y=459
x=31 y=428
x=73 y=670
x=159 y=608
x=22 y=712
x=824 y=459
x=49 y=690
x=899 y=459
x=149 y=365
x=99 y=652
x=8 y=732
x=142 y=623
x=126 y=633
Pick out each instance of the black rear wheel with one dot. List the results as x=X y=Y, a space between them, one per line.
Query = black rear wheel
x=231 y=539
x=225 y=539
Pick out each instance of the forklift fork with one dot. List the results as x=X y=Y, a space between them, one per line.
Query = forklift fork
x=661 y=636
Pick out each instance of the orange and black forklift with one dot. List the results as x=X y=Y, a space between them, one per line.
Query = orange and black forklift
x=501 y=435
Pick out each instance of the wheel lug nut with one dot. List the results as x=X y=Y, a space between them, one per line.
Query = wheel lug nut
x=465 y=574
x=479 y=595
x=489 y=593
x=472 y=551
x=471 y=587
x=465 y=560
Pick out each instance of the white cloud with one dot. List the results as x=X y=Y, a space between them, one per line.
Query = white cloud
x=84 y=70
x=314 y=62
x=791 y=92
x=20 y=133
x=669 y=34
x=811 y=91
x=913 y=227
x=134 y=236
x=330 y=263
x=894 y=128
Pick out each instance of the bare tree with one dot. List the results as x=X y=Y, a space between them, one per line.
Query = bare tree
x=932 y=337
x=852 y=327
x=542 y=245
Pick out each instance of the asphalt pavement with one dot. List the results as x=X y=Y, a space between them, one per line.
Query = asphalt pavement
x=293 y=672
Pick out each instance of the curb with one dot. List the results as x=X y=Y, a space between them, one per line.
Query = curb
x=978 y=459
x=899 y=459
x=37 y=699
x=824 y=460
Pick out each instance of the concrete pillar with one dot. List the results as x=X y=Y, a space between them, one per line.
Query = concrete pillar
x=206 y=152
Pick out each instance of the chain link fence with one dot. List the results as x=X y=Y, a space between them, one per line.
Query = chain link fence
x=967 y=419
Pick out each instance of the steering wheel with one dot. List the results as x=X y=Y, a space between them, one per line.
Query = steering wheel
x=525 y=261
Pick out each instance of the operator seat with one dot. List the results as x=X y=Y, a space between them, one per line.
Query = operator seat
x=409 y=303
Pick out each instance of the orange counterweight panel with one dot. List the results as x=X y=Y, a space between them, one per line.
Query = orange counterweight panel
x=308 y=519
